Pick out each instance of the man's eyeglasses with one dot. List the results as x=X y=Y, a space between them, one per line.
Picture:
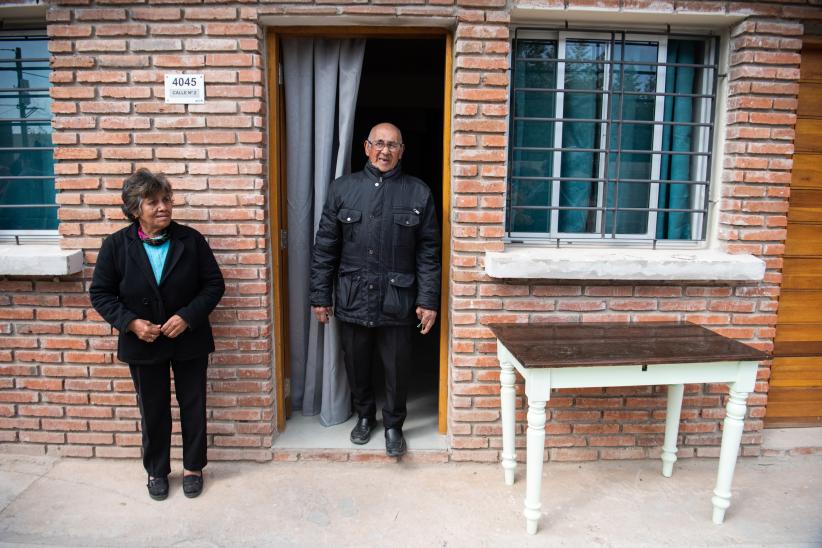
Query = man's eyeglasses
x=379 y=145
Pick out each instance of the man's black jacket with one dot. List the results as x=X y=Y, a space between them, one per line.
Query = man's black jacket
x=378 y=243
x=123 y=288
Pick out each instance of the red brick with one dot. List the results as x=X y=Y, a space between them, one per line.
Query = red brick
x=69 y=31
x=41 y=410
x=632 y=304
x=102 y=46
x=210 y=13
x=129 y=29
x=572 y=454
x=482 y=32
x=42 y=437
x=59 y=314
x=175 y=29
x=622 y=453
x=233 y=29
x=40 y=384
x=73 y=425
x=210 y=44
x=89 y=412
x=118 y=452
x=91 y=438
x=39 y=356
x=16 y=370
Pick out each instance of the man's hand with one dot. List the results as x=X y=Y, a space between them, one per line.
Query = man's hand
x=174 y=326
x=322 y=313
x=145 y=330
x=426 y=318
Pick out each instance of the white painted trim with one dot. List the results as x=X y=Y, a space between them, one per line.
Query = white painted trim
x=659 y=116
x=528 y=262
x=524 y=13
x=720 y=138
x=559 y=125
x=39 y=260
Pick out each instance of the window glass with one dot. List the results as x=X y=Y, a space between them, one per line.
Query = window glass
x=27 y=194
x=686 y=82
x=582 y=111
x=632 y=99
x=531 y=159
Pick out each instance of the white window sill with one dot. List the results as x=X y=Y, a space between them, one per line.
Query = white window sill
x=622 y=264
x=39 y=260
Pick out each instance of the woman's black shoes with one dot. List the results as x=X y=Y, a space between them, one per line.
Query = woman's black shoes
x=193 y=485
x=158 y=488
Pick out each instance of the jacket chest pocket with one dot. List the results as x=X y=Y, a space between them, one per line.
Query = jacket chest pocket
x=350 y=221
x=405 y=228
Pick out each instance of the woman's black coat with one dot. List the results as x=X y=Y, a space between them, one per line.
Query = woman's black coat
x=123 y=288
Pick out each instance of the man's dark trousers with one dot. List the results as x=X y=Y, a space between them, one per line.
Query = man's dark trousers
x=365 y=347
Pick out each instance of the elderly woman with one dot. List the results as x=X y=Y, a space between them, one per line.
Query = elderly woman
x=156 y=282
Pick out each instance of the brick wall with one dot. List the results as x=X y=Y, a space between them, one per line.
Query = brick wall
x=61 y=388
x=621 y=423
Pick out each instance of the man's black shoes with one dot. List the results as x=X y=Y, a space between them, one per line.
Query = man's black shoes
x=158 y=488
x=192 y=485
x=394 y=442
x=362 y=430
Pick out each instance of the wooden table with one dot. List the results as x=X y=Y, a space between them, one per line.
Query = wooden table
x=576 y=355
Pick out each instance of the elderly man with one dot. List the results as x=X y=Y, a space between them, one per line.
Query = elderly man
x=378 y=249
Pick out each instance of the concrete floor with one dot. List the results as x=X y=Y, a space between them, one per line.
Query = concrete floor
x=778 y=440
x=73 y=502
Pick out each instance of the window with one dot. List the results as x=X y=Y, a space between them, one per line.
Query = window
x=611 y=136
x=27 y=196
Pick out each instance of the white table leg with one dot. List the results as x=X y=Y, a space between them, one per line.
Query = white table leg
x=675 y=392
x=507 y=377
x=536 y=447
x=731 y=437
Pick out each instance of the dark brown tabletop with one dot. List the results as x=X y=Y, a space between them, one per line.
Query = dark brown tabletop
x=589 y=344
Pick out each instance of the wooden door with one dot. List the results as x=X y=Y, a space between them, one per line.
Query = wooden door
x=795 y=397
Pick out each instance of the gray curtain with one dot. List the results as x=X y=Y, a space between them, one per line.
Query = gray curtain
x=321 y=77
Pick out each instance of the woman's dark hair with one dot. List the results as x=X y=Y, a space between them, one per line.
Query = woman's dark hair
x=140 y=185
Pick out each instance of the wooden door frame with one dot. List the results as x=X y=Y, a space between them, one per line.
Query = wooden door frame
x=276 y=178
x=277 y=224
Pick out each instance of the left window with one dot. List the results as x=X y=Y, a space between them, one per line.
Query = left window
x=28 y=208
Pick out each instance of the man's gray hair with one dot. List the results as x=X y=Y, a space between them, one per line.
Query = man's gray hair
x=140 y=185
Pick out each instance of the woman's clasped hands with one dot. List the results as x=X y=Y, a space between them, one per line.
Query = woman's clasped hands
x=148 y=332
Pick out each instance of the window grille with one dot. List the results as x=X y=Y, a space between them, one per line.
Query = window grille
x=28 y=208
x=611 y=136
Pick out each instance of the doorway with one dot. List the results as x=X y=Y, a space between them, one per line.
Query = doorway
x=404 y=81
